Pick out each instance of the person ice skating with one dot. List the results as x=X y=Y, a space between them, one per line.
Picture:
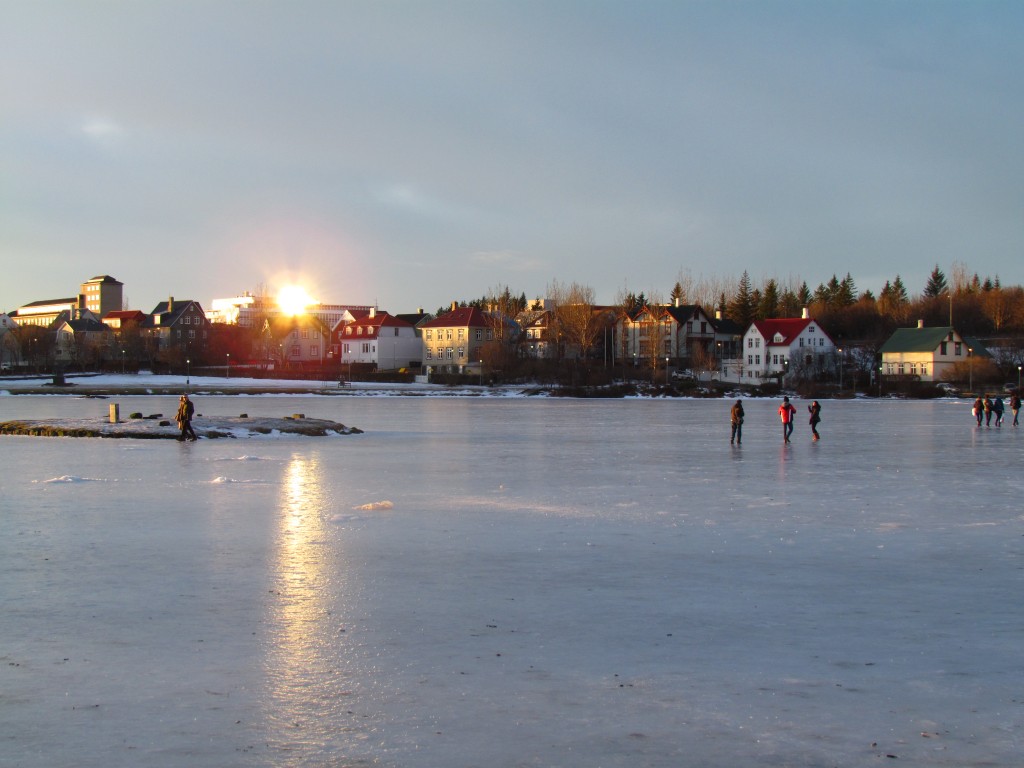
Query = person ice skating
x=988 y=411
x=736 y=416
x=1015 y=407
x=786 y=413
x=997 y=409
x=979 y=410
x=815 y=410
x=184 y=418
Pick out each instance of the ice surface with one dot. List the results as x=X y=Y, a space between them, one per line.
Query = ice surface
x=554 y=583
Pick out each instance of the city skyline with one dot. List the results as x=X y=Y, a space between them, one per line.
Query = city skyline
x=408 y=154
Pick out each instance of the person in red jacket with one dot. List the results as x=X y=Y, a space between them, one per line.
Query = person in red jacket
x=786 y=413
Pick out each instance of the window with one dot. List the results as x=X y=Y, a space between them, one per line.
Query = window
x=810 y=329
x=191 y=334
x=913 y=369
x=750 y=359
x=448 y=333
x=821 y=342
x=396 y=331
x=448 y=353
x=462 y=353
x=901 y=369
x=186 y=320
x=689 y=326
x=346 y=349
x=348 y=331
x=479 y=334
x=305 y=333
x=462 y=333
x=958 y=348
x=801 y=341
x=430 y=333
x=490 y=334
x=703 y=327
x=366 y=348
x=296 y=351
x=757 y=343
x=430 y=355
x=775 y=359
x=750 y=343
x=942 y=349
x=314 y=351
x=757 y=359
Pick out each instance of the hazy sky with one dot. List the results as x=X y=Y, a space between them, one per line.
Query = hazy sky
x=411 y=153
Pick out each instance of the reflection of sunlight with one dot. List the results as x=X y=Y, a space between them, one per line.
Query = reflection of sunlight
x=304 y=658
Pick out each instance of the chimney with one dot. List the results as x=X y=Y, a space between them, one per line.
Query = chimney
x=920 y=323
x=373 y=312
x=455 y=305
x=170 y=303
x=718 y=314
x=804 y=314
x=677 y=302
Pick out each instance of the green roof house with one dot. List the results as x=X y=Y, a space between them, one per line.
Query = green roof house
x=927 y=353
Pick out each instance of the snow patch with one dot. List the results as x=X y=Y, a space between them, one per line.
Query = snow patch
x=373 y=505
x=73 y=479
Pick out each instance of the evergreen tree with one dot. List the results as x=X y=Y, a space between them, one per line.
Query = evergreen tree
x=936 y=285
x=742 y=308
x=677 y=294
x=847 y=295
x=789 y=304
x=804 y=295
x=768 y=306
x=899 y=292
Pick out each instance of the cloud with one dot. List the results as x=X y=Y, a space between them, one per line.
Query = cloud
x=101 y=130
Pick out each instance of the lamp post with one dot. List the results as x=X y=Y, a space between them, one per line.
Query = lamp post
x=666 y=370
x=721 y=361
x=122 y=362
x=840 y=370
x=970 y=374
x=227 y=365
x=188 y=371
x=1018 y=379
x=879 y=381
x=481 y=373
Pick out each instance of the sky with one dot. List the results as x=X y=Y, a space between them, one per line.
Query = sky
x=407 y=154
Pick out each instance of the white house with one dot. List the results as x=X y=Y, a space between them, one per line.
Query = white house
x=379 y=339
x=786 y=348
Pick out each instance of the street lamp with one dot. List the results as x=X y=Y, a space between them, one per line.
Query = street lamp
x=879 y=381
x=666 y=370
x=227 y=365
x=840 y=370
x=970 y=374
x=188 y=371
x=122 y=362
x=481 y=373
x=1018 y=378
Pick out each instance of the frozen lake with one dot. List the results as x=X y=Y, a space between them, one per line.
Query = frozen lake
x=514 y=582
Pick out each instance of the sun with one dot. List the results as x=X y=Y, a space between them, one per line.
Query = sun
x=293 y=300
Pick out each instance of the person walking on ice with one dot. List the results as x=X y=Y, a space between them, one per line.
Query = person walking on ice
x=786 y=413
x=1015 y=407
x=184 y=418
x=815 y=410
x=736 y=416
x=979 y=410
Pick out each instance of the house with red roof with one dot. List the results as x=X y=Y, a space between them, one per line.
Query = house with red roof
x=453 y=342
x=378 y=339
x=784 y=349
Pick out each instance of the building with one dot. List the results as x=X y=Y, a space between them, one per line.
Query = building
x=177 y=328
x=787 y=348
x=83 y=341
x=103 y=294
x=691 y=335
x=381 y=341
x=453 y=342
x=928 y=354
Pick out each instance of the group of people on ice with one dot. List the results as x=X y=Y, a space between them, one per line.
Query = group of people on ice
x=786 y=412
x=985 y=408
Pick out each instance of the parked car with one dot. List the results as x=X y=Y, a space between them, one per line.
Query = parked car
x=947 y=388
x=1009 y=387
